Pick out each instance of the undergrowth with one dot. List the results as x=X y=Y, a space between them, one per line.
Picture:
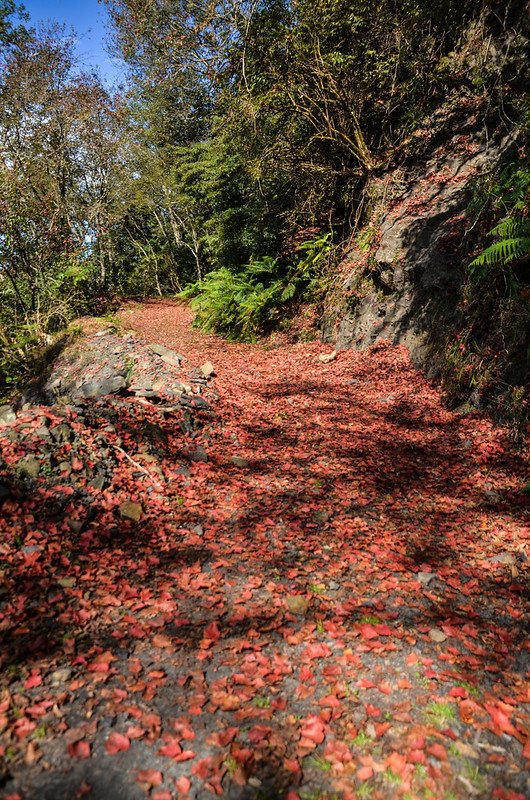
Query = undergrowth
x=245 y=304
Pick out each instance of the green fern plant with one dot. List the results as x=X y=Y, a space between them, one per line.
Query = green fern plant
x=513 y=244
x=508 y=195
x=245 y=304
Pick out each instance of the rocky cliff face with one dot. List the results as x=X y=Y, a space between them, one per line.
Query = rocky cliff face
x=402 y=276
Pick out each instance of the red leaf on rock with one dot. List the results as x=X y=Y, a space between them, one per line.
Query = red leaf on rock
x=117 y=743
x=79 y=749
x=149 y=778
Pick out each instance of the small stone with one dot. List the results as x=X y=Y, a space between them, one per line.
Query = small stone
x=437 y=635
x=62 y=433
x=333 y=586
x=7 y=415
x=30 y=466
x=503 y=558
x=66 y=583
x=240 y=462
x=198 y=455
x=31 y=548
x=371 y=731
x=208 y=370
x=425 y=577
x=43 y=433
x=75 y=525
x=325 y=358
x=168 y=356
x=493 y=496
x=297 y=604
x=100 y=388
x=132 y=511
x=98 y=483
x=60 y=676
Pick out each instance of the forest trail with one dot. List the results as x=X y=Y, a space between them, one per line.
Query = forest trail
x=334 y=605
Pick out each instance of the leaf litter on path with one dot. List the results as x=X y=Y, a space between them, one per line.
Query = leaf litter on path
x=318 y=610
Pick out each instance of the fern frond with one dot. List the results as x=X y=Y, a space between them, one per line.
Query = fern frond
x=511 y=228
x=288 y=293
x=502 y=252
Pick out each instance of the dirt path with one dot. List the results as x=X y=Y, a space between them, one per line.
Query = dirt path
x=333 y=606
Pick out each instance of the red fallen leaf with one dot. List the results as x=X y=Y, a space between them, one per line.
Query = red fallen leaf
x=134 y=732
x=291 y=765
x=329 y=701
x=372 y=711
x=364 y=683
x=507 y=794
x=202 y=768
x=338 y=752
x=186 y=755
x=226 y=736
x=79 y=750
x=417 y=757
x=161 y=796
x=500 y=719
x=170 y=750
x=365 y=773
x=318 y=650
x=212 y=632
x=117 y=743
x=496 y=758
x=156 y=674
x=313 y=729
x=162 y=641
x=34 y=680
x=396 y=762
x=149 y=778
x=225 y=700
x=23 y=727
x=381 y=728
x=258 y=733
x=243 y=755
x=417 y=742
x=306 y=674
x=458 y=691
x=183 y=784
x=438 y=751
x=368 y=631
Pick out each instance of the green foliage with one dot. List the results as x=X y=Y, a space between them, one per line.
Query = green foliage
x=513 y=244
x=248 y=303
x=58 y=162
x=440 y=713
x=508 y=194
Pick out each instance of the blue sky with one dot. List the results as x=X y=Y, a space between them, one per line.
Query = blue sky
x=89 y=19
